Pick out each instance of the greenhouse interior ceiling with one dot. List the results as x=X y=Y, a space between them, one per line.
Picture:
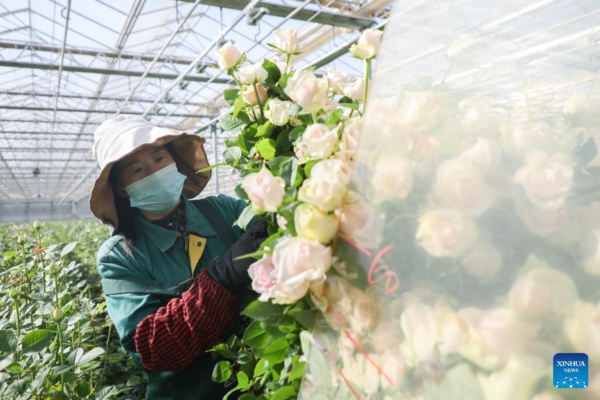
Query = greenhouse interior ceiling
x=66 y=66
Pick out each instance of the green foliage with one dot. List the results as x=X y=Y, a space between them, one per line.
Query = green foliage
x=74 y=357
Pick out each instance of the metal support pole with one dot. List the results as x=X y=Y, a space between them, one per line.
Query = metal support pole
x=213 y=129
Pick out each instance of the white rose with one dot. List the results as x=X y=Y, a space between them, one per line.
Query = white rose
x=546 y=180
x=337 y=79
x=228 y=56
x=582 y=328
x=484 y=155
x=360 y=222
x=368 y=44
x=312 y=223
x=277 y=111
x=265 y=191
x=462 y=188
x=590 y=249
x=515 y=382
x=392 y=362
x=420 y=329
x=281 y=222
x=421 y=110
x=363 y=316
x=327 y=185
x=298 y=264
x=348 y=146
x=281 y=64
x=305 y=89
x=286 y=40
x=483 y=261
x=392 y=177
x=542 y=222
x=543 y=293
x=505 y=333
x=317 y=142
x=445 y=233
x=251 y=74
x=249 y=95
x=355 y=89
x=263 y=276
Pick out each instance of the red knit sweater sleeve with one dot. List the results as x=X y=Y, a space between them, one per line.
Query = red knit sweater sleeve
x=173 y=336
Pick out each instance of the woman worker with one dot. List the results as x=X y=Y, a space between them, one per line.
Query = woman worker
x=168 y=274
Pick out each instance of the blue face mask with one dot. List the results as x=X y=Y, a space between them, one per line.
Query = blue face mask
x=159 y=192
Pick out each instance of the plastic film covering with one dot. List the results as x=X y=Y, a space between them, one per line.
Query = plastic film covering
x=469 y=247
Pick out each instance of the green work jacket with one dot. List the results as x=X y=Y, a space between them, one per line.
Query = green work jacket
x=159 y=257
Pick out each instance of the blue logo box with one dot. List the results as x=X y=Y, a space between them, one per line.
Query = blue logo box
x=570 y=371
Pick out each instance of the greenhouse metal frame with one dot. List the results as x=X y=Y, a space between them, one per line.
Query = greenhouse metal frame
x=65 y=66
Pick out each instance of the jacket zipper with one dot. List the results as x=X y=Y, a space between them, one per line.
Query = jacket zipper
x=187 y=243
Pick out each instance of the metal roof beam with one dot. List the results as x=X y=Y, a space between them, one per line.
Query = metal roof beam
x=94 y=53
x=98 y=111
x=82 y=97
x=280 y=10
x=104 y=71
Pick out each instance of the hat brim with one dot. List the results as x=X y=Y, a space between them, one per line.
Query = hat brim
x=189 y=155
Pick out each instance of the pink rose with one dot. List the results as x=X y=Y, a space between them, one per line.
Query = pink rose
x=265 y=191
x=445 y=233
x=249 y=95
x=392 y=178
x=546 y=180
x=263 y=276
x=462 y=188
x=298 y=264
x=543 y=293
x=505 y=333
x=483 y=261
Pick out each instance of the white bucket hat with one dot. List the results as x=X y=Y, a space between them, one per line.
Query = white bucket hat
x=118 y=137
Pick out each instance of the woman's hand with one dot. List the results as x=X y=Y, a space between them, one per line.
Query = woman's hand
x=233 y=275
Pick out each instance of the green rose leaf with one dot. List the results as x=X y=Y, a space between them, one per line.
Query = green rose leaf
x=230 y=95
x=284 y=393
x=243 y=381
x=222 y=349
x=276 y=351
x=245 y=217
x=273 y=70
x=289 y=171
x=90 y=356
x=222 y=371
x=232 y=155
x=263 y=311
x=230 y=123
x=36 y=341
x=8 y=341
x=265 y=130
x=276 y=164
x=297 y=132
x=238 y=105
x=349 y=103
x=297 y=371
x=267 y=148
x=255 y=336
x=334 y=117
x=68 y=248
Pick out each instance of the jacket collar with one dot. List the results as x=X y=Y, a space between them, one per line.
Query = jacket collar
x=165 y=238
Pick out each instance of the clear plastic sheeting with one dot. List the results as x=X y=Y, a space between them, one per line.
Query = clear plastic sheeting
x=469 y=247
